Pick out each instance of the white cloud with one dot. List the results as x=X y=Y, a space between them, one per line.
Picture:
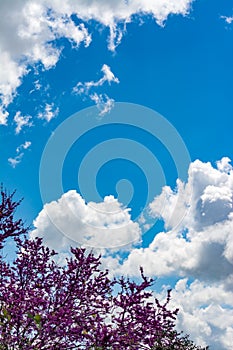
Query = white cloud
x=197 y=246
x=11 y=73
x=24 y=145
x=29 y=30
x=108 y=76
x=199 y=240
x=37 y=86
x=205 y=312
x=228 y=20
x=103 y=103
x=116 y=14
x=21 y=121
x=49 y=112
x=205 y=199
x=16 y=160
x=196 y=249
x=172 y=206
x=3 y=116
x=224 y=165
x=19 y=154
x=71 y=221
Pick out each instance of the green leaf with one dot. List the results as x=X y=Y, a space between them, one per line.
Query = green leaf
x=6 y=314
x=30 y=315
x=37 y=318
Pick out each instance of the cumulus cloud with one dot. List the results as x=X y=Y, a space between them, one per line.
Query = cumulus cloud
x=205 y=312
x=3 y=115
x=198 y=216
x=10 y=79
x=195 y=249
x=29 y=31
x=21 y=121
x=116 y=14
x=197 y=246
x=49 y=112
x=71 y=221
x=204 y=200
x=19 y=154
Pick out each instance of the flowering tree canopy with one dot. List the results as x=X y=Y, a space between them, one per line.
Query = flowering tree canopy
x=77 y=306
x=9 y=227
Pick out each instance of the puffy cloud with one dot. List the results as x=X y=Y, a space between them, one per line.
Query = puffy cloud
x=3 y=116
x=108 y=75
x=19 y=154
x=224 y=165
x=204 y=200
x=21 y=121
x=199 y=219
x=198 y=248
x=29 y=31
x=116 y=14
x=172 y=206
x=71 y=221
x=49 y=112
x=11 y=73
x=205 y=312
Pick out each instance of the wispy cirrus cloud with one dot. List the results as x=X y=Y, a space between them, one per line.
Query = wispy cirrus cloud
x=108 y=76
x=103 y=102
x=227 y=19
x=19 y=154
x=37 y=86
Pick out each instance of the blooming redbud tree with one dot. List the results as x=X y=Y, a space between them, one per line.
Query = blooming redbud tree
x=9 y=226
x=76 y=306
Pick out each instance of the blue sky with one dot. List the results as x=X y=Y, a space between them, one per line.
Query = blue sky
x=127 y=62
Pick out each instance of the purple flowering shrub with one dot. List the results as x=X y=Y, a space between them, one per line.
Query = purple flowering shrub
x=47 y=306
